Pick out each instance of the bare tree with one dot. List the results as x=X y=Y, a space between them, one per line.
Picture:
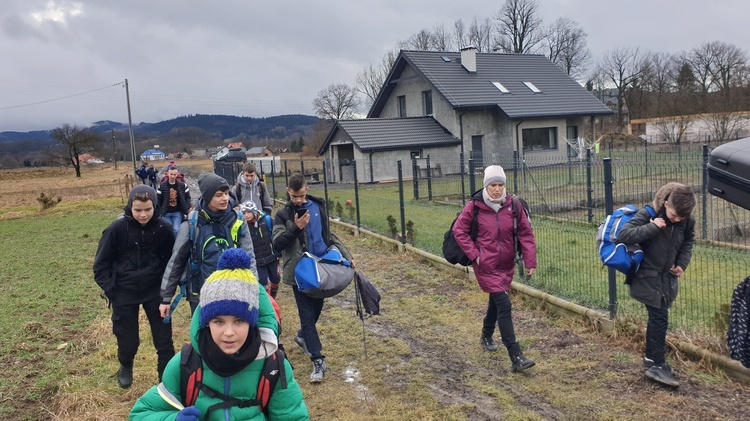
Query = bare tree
x=725 y=125
x=76 y=141
x=727 y=64
x=421 y=41
x=460 y=34
x=623 y=67
x=442 y=40
x=337 y=101
x=700 y=60
x=564 y=44
x=673 y=129
x=370 y=80
x=518 y=26
x=480 y=34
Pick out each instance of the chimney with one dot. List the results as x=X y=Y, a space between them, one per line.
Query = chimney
x=469 y=58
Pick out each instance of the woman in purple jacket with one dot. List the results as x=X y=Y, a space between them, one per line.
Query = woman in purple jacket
x=493 y=256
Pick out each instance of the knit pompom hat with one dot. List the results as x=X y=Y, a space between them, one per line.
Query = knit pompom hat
x=232 y=290
x=249 y=206
x=492 y=174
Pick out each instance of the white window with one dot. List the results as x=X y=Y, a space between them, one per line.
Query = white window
x=501 y=88
x=533 y=88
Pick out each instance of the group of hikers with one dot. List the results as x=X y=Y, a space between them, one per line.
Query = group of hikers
x=224 y=251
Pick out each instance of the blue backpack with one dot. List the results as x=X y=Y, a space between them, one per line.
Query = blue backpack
x=623 y=257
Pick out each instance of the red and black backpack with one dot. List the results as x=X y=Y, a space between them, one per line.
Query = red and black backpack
x=191 y=381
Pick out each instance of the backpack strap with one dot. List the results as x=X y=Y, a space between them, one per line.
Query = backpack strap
x=651 y=211
x=191 y=374
x=474 y=227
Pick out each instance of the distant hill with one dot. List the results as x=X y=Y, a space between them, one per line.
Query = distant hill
x=222 y=126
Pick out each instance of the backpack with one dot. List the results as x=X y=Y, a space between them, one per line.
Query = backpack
x=738 y=339
x=191 y=382
x=453 y=253
x=623 y=257
x=207 y=243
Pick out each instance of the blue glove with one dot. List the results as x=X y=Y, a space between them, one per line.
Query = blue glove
x=190 y=413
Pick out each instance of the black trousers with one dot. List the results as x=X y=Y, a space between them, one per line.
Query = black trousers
x=309 y=309
x=125 y=328
x=499 y=311
x=656 y=333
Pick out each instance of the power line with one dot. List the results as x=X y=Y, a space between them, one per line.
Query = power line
x=58 y=99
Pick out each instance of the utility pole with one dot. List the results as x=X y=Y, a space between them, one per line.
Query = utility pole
x=130 y=125
x=114 y=149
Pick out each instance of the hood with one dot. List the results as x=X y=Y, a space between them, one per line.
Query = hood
x=140 y=189
x=269 y=342
x=661 y=195
x=244 y=183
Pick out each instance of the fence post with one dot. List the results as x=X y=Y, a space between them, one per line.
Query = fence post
x=704 y=193
x=325 y=187
x=356 y=190
x=429 y=179
x=286 y=178
x=302 y=167
x=401 y=203
x=273 y=178
x=414 y=178
x=463 y=182
x=472 y=181
x=609 y=208
x=515 y=172
x=645 y=154
x=589 y=190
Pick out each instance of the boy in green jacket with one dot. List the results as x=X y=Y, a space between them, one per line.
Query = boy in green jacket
x=233 y=349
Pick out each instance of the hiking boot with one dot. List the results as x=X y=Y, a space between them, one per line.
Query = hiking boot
x=521 y=363
x=125 y=376
x=299 y=340
x=648 y=363
x=661 y=375
x=319 y=370
x=488 y=343
x=274 y=290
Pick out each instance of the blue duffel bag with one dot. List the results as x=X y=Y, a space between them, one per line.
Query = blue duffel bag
x=325 y=276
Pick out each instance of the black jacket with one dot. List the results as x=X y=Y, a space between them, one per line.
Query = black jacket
x=183 y=197
x=262 y=241
x=653 y=284
x=131 y=258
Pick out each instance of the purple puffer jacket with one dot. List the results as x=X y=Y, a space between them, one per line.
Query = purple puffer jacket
x=494 y=245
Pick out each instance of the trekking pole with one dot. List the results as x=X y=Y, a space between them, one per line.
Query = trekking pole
x=360 y=314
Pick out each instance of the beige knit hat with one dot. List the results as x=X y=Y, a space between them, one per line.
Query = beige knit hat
x=492 y=174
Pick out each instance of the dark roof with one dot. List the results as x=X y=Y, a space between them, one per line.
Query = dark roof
x=380 y=134
x=560 y=95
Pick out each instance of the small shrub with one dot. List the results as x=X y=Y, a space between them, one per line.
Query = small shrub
x=47 y=201
x=350 y=209
x=410 y=232
x=339 y=209
x=391 y=226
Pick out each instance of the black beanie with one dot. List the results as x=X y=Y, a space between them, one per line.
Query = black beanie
x=141 y=189
x=208 y=184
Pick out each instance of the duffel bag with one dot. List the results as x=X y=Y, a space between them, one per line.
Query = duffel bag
x=325 y=276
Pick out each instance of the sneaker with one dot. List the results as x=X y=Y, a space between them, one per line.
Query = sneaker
x=488 y=343
x=125 y=377
x=521 y=363
x=319 y=370
x=648 y=363
x=299 y=340
x=661 y=375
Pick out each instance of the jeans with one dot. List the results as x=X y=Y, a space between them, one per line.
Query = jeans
x=125 y=328
x=499 y=311
x=175 y=218
x=309 y=309
x=269 y=272
x=153 y=184
x=656 y=333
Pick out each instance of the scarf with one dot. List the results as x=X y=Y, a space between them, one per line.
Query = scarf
x=226 y=365
x=494 y=204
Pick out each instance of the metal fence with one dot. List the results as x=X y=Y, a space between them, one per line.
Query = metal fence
x=567 y=200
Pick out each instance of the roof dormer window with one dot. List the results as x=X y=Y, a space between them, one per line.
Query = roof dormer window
x=533 y=88
x=501 y=88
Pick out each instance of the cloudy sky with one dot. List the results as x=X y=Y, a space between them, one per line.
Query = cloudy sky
x=65 y=61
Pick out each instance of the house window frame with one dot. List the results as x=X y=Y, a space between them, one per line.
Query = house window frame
x=538 y=139
x=427 y=102
x=415 y=154
x=401 y=103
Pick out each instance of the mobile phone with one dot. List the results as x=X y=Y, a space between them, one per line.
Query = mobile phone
x=300 y=212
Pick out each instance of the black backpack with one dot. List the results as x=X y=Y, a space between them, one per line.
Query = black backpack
x=191 y=381
x=453 y=253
